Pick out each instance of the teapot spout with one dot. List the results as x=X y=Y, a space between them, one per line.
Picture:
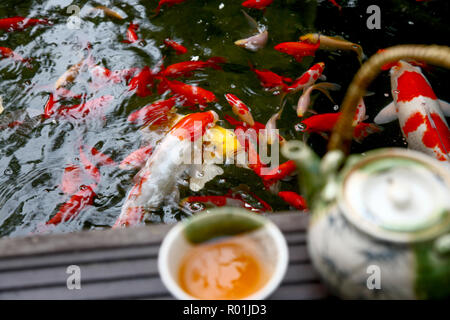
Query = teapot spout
x=310 y=178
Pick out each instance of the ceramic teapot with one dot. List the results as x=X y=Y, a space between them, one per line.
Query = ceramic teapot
x=380 y=223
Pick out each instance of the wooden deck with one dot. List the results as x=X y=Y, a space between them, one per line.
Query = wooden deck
x=122 y=264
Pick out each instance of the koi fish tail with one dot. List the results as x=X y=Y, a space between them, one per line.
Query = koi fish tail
x=363 y=130
x=325 y=88
x=360 y=53
x=130 y=217
x=250 y=20
x=215 y=61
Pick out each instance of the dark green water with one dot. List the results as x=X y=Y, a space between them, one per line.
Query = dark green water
x=33 y=156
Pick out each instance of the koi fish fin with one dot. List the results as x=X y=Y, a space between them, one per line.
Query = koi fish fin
x=251 y=21
x=324 y=87
x=323 y=77
x=387 y=114
x=445 y=107
x=202 y=174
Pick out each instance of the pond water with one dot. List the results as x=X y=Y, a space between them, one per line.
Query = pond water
x=33 y=155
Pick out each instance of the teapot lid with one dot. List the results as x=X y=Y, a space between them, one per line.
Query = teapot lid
x=397 y=195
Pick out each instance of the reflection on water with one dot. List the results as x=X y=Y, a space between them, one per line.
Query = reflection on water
x=35 y=152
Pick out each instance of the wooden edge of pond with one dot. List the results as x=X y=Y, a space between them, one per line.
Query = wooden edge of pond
x=290 y=221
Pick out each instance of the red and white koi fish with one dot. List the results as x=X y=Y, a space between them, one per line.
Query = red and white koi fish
x=307 y=79
x=103 y=75
x=240 y=109
x=77 y=202
x=153 y=114
x=169 y=4
x=229 y=200
x=93 y=106
x=72 y=179
x=179 y=49
x=324 y=123
x=257 y=4
x=360 y=114
x=305 y=99
x=420 y=113
x=298 y=50
x=293 y=199
x=20 y=23
x=9 y=53
x=164 y=167
x=88 y=166
x=270 y=80
x=255 y=42
x=142 y=81
x=186 y=68
x=333 y=43
x=193 y=94
x=131 y=33
x=136 y=159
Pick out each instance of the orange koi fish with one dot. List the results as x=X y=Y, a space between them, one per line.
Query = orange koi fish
x=298 y=50
x=141 y=82
x=293 y=199
x=155 y=113
x=270 y=80
x=20 y=23
x=79 y=111
x=179 y=49
x=100 y=158
x=131 y=34
x=76 y=203
x=193 y=94
x=323 y=123
x=278 y=173
x=186 y=68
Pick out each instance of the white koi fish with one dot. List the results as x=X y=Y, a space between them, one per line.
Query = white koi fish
x=257 y=41
x=158 y=179
x=419 y=111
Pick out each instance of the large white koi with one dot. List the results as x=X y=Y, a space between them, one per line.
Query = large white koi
x=419 y=111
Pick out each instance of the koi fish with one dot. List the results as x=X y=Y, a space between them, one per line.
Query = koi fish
x=93 y=106
x=131 y=34
x=255 y=42
x=50 y=107
x=70 y=75
x=70 y=209
x=141 y=82
x=323 y=123
x=72 y=179
x=419 y=111
x=179 y=49
x=293 y=199
x=20 y=23
x=298 y=50
x=109 y=12
x=333 y=43
x=88 y=166
x=169 y=4
x=360 y=114
x=101 y=75
x=136 y=159
x=101 y=158
x=334 y=3
x=165 y=166
x=193 y=94
x=257 y=4
x=9 y=53
x=154 y=113
x=269 y=79
x=240 y=109
x=186 y=68
x=282 y=171
x=307 y=79
x=305 y=99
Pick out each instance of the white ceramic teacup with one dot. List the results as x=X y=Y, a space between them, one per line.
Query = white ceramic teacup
x=218 y=223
